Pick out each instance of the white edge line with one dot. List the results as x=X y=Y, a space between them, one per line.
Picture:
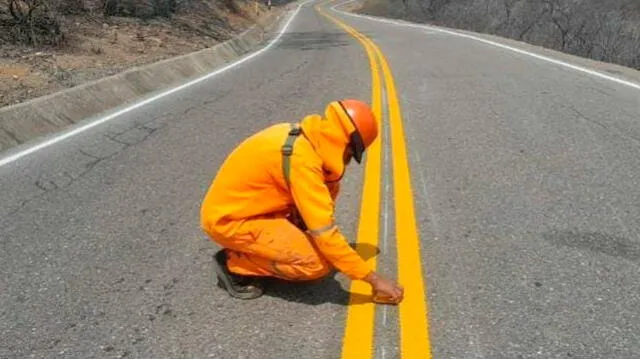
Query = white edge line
x=493 y=43
x=61 y=137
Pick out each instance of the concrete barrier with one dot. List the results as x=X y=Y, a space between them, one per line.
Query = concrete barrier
x=48 y=114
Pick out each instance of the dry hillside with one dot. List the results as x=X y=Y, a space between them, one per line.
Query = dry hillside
x=49 y=45
x=602 y=30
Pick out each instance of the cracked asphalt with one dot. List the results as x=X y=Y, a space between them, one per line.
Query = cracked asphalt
x=525 y=177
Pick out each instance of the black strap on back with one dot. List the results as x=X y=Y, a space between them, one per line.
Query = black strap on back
x=287 y=151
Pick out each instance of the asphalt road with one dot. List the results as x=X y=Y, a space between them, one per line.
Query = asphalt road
x=525 y=177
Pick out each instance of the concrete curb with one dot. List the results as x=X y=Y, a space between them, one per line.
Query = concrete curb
x=48 y=114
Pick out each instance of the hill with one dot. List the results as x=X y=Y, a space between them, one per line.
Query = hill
x=50 y=45
x=601 y=30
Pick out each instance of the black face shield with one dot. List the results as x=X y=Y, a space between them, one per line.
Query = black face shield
x=355 y=139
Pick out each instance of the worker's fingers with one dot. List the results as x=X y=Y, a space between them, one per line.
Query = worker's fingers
x=399 y=289
x=397 y=298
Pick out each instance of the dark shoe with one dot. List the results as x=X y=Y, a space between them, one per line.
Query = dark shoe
x=242 y=287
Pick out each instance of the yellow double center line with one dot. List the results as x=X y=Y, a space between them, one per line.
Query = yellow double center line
x=414 y=331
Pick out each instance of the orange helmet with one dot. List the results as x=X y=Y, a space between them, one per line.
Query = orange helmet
x=365 y=123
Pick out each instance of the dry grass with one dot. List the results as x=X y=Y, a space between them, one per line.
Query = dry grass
x=97 y=46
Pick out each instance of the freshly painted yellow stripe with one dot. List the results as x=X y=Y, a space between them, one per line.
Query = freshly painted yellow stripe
x=359 y=329
x=414 y=324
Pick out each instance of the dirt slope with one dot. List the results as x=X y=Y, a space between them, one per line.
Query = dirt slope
x=96 y=45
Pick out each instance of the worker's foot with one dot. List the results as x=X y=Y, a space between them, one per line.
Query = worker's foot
x=242 y=287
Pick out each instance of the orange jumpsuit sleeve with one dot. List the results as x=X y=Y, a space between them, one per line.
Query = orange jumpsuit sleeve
x=315 y=204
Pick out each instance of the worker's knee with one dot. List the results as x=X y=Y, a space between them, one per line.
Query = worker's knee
x=319 y=270
x=312 y=270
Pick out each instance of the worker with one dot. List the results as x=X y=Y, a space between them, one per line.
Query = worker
x=271 y=205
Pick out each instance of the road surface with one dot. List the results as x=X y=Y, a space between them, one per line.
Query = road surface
x=524 y=177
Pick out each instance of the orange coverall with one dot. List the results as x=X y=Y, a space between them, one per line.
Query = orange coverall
x=246 y=206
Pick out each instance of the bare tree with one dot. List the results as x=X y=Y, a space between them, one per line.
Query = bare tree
x=141 y=8
x=69 y=7
x=34 y=22
x=431 y=8
x=605 y=30
x=610 y=41
x=529 y=17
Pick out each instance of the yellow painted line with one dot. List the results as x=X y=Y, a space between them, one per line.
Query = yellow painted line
x=414 y=323
x=359 y=329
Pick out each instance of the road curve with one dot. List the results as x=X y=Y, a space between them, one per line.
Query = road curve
x=527 y=175
x=525 y=184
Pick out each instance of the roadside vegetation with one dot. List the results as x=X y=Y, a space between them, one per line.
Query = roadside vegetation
x=602 y=30
x=50 y=45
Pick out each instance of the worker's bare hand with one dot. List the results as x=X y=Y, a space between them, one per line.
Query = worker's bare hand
x=385 y=290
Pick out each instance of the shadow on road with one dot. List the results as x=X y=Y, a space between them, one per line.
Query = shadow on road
x=619 y=247
x=326 y=290
x=315 y=40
